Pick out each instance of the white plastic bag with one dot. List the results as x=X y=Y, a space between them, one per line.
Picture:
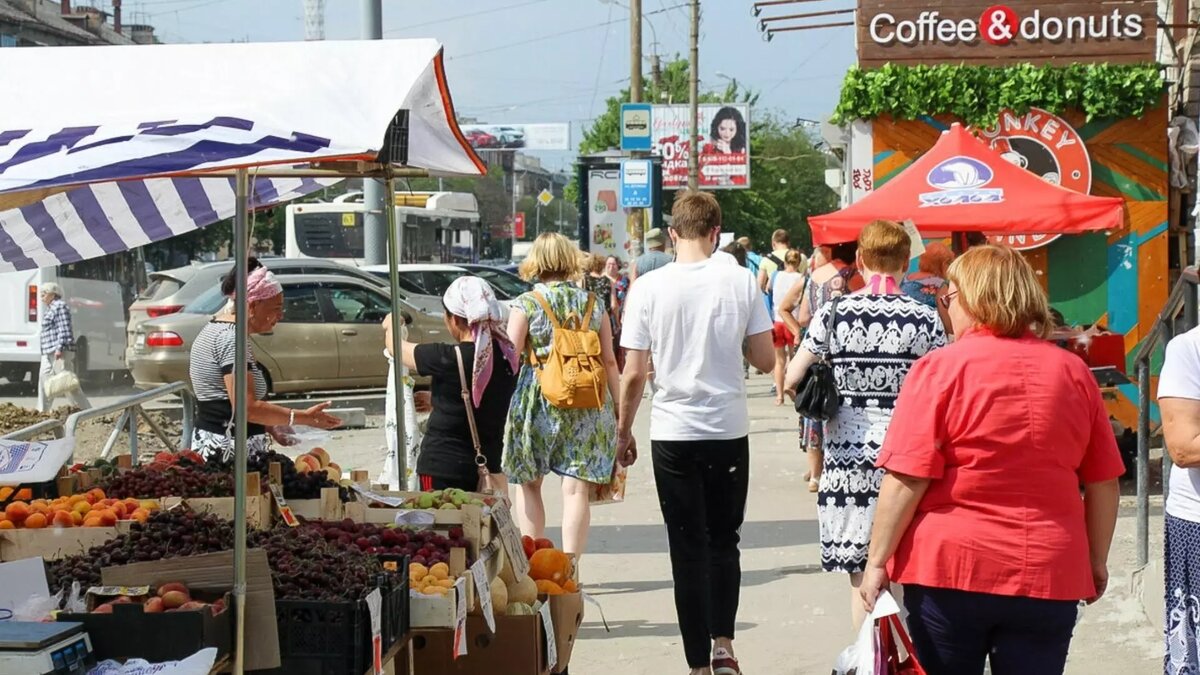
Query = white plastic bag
x=865 y=656
x=200 y=663
x=302 y=439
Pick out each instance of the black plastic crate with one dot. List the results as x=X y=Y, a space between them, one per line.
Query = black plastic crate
x=129 y=632
x=323 y=638
x=394 y=588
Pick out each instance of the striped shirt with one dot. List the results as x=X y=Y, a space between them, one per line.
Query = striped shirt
x=57 y=335
x=211 y=360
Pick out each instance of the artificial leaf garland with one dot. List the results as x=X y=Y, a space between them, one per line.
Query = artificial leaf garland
x=977 y=94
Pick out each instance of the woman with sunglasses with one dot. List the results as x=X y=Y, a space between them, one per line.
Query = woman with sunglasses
x=980 y=515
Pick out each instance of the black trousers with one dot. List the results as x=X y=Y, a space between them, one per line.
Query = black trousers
x=953 y=632
x=702 y=491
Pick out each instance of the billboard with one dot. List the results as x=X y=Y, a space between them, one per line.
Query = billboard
x=610 y=226
x=518 y=136
x=724 y=158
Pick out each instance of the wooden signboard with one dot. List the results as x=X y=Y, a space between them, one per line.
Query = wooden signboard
x=989 y=32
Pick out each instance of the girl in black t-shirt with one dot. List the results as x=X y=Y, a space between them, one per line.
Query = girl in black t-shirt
x=447 y=458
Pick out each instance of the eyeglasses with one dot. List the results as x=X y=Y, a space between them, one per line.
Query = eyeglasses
x=947 y=299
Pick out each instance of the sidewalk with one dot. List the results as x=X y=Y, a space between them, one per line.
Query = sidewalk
x=794 y=618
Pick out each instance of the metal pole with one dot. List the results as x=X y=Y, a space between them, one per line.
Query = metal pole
x=375 y=199
x=635 y=51
x=1143 y=463
x=694 y=100
x=393 y=241
x=240 y=368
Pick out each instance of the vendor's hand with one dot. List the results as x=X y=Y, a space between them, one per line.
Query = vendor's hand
x=317 y=417
x=875 y=581
x=626 y=449
x=282 y=435
x=1100 y=578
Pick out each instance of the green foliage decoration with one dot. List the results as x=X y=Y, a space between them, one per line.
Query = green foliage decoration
x=977 y=94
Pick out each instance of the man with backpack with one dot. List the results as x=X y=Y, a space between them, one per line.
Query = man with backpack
x=692 y=317
x=773 y=261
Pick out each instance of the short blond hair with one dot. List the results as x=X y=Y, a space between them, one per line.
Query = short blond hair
x=551 y=256
x=884 y=246
x=998 y=288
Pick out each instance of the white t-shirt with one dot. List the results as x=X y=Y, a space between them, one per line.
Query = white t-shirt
x=784 y=281
x=693 y=318
x=725 y=258
x=1181 y=379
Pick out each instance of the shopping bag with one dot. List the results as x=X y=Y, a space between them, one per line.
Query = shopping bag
x=883 y=646
x=61 y=383
x=859 y=658
x=612 y=492
x=897 y=648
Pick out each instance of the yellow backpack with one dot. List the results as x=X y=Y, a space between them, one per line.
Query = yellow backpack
x=572 y=375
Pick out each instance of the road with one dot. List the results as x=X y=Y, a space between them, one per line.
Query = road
x=793 y=617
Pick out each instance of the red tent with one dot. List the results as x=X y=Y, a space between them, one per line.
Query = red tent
x=962 y=185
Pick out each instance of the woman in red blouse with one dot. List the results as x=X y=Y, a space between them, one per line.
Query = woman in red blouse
x=980 y=515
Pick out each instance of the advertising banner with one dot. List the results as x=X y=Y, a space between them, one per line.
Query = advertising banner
x=609 y=225
x=724 y=158
x=518 y=136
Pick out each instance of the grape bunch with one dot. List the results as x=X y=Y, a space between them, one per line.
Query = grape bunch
x=304 y=566
x=296 y=485
x=167 y=534
x=150 y=482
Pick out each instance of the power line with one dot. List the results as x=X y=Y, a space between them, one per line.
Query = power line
x=463 y=16
x=600 y=61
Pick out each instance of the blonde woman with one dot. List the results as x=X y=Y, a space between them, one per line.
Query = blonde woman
x=577 y=444
x=980 y=515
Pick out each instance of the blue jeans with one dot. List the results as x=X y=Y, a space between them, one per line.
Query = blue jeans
x=954 y=632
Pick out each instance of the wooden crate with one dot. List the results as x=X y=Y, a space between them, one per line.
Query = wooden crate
x=477 y=528
x=328 y=507
x=258 y=506
x=53 y=543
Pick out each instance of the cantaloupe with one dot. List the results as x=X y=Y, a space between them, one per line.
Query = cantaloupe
x=523 y=591
x=499 y=596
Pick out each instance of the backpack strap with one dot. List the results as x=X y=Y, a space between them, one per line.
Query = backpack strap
x=586 y=319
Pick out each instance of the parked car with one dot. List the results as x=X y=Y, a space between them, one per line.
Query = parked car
x=506 y=284
x=433 y=280
x=330 y=337
x=175 y=289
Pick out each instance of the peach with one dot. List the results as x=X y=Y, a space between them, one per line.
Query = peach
x=108 y=518
x=174 y=599
x=153 y=606
x=106 y=608
x=7 y=524
x=17 y=512
x=64 y=519
x=321 y=455
x=172 y=586
x=36 y=521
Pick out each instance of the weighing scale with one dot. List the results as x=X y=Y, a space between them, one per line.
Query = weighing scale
x=55 y=648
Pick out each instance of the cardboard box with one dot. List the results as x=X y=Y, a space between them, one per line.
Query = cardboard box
x=517 y=648
x=567 y=612
x=52 y=543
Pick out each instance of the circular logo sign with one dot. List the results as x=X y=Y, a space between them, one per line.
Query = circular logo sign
x=998 y=24
x=1046 y=145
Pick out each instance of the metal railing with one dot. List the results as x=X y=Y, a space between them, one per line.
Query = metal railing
x=131 y=411
x=1183 y=298
x=52 y=427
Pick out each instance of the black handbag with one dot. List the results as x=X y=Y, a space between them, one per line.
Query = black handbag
x=817 y=396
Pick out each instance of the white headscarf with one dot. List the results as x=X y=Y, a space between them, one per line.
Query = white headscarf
x=472 y=298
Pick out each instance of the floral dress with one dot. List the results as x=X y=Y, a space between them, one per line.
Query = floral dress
x=539 y=438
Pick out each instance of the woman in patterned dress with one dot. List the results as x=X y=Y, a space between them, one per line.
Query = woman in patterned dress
x=577 y=444
x=878 y=333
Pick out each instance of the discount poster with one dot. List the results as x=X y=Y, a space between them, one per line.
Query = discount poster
x=724 y=159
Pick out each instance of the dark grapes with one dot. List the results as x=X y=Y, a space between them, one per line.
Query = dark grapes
x=296 y=485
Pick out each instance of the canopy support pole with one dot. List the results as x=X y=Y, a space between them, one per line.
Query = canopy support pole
x=241 y=246
x=393 y=249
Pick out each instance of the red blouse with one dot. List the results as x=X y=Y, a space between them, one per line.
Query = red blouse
x=1007 y=429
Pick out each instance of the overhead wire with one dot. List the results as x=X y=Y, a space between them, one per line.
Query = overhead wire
x=470 y=15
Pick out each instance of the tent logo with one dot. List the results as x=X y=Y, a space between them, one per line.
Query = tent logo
x=961 y=180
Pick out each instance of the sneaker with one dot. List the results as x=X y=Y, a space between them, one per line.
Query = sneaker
x=723 y=663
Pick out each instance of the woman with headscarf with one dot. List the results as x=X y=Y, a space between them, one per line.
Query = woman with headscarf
x=211 y=371
x=484 y=364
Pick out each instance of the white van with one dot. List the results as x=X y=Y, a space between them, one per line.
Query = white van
x=98 y=291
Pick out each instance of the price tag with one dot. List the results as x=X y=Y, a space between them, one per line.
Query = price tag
x=375 y=605
x=592 y=601
x=394 y=502
x=460 y=623
x=131 y=591
x=916 y=244
x=551 y=641
x=510 y=537
x=285 y=511
x=484 y=590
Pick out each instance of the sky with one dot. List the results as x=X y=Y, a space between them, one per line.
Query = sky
x=527 y=61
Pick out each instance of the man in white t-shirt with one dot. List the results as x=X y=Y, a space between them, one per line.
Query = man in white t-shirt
x=692 y=318
x=1179 y=402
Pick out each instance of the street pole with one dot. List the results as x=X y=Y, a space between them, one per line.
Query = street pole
x=693 y=100
x=513 y=222
x=375 y=236
x=636 y=217
x=656 y=73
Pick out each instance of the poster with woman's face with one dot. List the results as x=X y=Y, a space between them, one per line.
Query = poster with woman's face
x=724 y=158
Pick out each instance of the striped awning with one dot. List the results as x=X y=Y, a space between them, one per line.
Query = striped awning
x=125 y=155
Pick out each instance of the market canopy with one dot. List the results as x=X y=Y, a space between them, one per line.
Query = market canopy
x=111 y=148
x=962 y=185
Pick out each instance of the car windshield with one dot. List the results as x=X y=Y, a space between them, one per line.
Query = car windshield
x=506 y=286
x=209 y=302
x=406 y=284
x=436 y=282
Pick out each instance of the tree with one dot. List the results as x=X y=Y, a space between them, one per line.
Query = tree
x=787 y=172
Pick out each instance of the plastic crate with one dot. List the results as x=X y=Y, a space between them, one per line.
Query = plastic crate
x=323 y=638
x=394 y=588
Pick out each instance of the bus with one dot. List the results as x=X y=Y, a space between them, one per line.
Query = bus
x=436 y=227
x=98 y=291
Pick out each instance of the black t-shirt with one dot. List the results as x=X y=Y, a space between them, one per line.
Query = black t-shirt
x=447 y=451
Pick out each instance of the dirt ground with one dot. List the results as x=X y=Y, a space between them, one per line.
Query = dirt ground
x=92 y=434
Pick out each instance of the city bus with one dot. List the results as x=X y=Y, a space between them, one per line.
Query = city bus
x=436 y=227
x=98 y=291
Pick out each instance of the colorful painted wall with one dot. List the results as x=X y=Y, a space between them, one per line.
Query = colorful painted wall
x=1120 y=281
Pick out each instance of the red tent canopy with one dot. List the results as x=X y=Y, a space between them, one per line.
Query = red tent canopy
x=962 y=185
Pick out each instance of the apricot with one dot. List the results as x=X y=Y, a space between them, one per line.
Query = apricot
x=119 y=509
x=7 y=525
x=93 y=520
x=24 y=494
x=17 y=512
x=36 y=521
x=61 y=519
x=94 y=495
x=140 y=515
x=39 y=505
x=82 y=508
x=108 y=518
x=76 y=518
x=75 y=499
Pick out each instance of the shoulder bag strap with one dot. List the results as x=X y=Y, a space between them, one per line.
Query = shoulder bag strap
x=829 y=325
x=480 y=460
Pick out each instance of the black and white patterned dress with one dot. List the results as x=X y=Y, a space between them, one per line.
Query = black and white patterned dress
x=876 y=340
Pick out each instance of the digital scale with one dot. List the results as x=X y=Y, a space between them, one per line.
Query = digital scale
x=54 y=648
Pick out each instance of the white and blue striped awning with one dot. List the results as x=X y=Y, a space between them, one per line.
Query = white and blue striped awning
x=96 y=165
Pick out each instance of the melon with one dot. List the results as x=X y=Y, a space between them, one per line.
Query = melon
x=525 y=591
x=499 y=596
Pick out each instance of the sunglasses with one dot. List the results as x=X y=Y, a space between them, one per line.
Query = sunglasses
x=947 y=299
